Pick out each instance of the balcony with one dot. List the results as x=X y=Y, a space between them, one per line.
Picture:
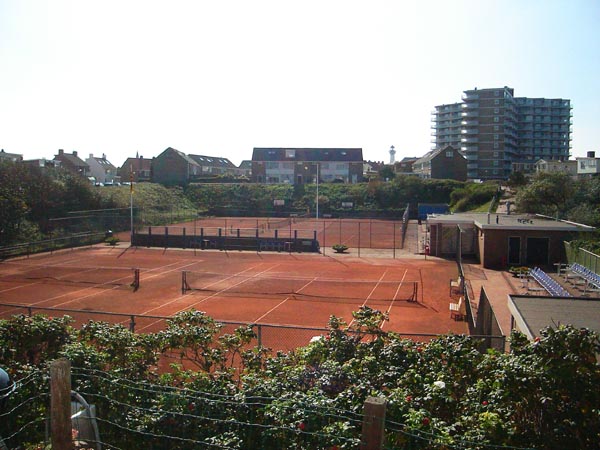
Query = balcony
x=470 y=114
x=469 y=97
x=470 y=140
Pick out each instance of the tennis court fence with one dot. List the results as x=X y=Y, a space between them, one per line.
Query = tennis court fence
x=51 y=245
x=276 y=337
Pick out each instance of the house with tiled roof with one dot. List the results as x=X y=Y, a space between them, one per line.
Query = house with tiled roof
x=136 y=169
x=442 y=163
x=303 y=165
x=173 y=167
x=245 y=168
x=73 y=163
x=102 y=170
x=214 y=165
x=14 y=157
x=405 y=166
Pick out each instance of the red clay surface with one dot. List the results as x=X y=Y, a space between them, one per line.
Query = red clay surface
x=41 y=281
x=363 y=233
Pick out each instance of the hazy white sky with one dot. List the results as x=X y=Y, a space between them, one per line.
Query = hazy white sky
x=221 y=77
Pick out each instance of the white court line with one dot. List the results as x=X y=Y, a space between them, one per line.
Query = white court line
x=100 y=284
x=205 y=298
x=116 y=287
x=281 y=303
x=395 y=295
x=371 y=293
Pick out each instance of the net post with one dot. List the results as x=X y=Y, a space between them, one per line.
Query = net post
x=132 y=323
x=183 y=282
x=136 y=279
x=358 y=222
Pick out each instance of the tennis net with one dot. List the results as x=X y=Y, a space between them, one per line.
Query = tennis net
x=97 y=277
x=329 y=290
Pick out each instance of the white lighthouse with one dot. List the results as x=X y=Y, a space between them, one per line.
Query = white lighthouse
x=392 y=155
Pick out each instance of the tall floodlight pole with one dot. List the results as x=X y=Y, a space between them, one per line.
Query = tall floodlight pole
x=131 y=203
x=317 y=199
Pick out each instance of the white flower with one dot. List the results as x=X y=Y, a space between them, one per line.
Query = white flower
x=316 y=338
x=439 y=384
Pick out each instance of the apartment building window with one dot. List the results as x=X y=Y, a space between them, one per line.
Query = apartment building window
x=496 y=102
x=496 y=119
x=496 y=128
x=496 y=110
x=497 y=93
x=496 y=137
x=290 y=153
x=496 y=145
x=496 y=154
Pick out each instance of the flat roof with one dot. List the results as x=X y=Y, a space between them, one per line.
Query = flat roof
x=534 y=313
x=508 y=221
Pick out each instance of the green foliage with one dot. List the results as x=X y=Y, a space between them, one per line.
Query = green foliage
x=339 y=248
x=547 y=193
x=472 y=196
x=543 y=394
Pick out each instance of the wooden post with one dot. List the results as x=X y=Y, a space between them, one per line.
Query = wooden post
x=373 y=424
x=60 y=404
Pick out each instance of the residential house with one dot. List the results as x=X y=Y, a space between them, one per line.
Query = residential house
x=214 y=165
x=557 y=166
x=43 y=163
x=102 y=170
x=303 y=165
x=14 y=157
x=73 y=163
x=136 y=169
x=405 y=166
x=443 y=163
x=588 y=166
x=173 y=167
x=245 y=169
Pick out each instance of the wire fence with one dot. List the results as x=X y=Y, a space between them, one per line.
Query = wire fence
x=137 y=414
x=52 y=245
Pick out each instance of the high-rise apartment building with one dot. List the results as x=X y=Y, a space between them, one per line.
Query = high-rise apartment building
x=499 y=133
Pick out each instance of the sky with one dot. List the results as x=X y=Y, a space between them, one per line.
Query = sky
x=218 y=78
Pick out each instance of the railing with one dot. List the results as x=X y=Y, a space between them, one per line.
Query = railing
x=28 y=248
x=582 y=256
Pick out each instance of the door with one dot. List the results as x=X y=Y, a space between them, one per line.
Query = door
x=537 y=251
x=514 y=250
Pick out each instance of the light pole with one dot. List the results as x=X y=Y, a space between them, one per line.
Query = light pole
x=317 y=199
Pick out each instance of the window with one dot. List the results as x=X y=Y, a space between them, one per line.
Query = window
x=496 y=145
x=290 y=153
x=496 y=128
x=496 y=102
x=496 y=137
x=497 y=93
x=449 y=154
x=496 y=110
x=496 y=119
x=495 y=154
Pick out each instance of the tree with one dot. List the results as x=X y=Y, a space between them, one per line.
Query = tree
x=386 y=173
x=548 y=193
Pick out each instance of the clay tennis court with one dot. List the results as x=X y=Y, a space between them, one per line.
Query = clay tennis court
x=363 y=233
x=295 y=290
